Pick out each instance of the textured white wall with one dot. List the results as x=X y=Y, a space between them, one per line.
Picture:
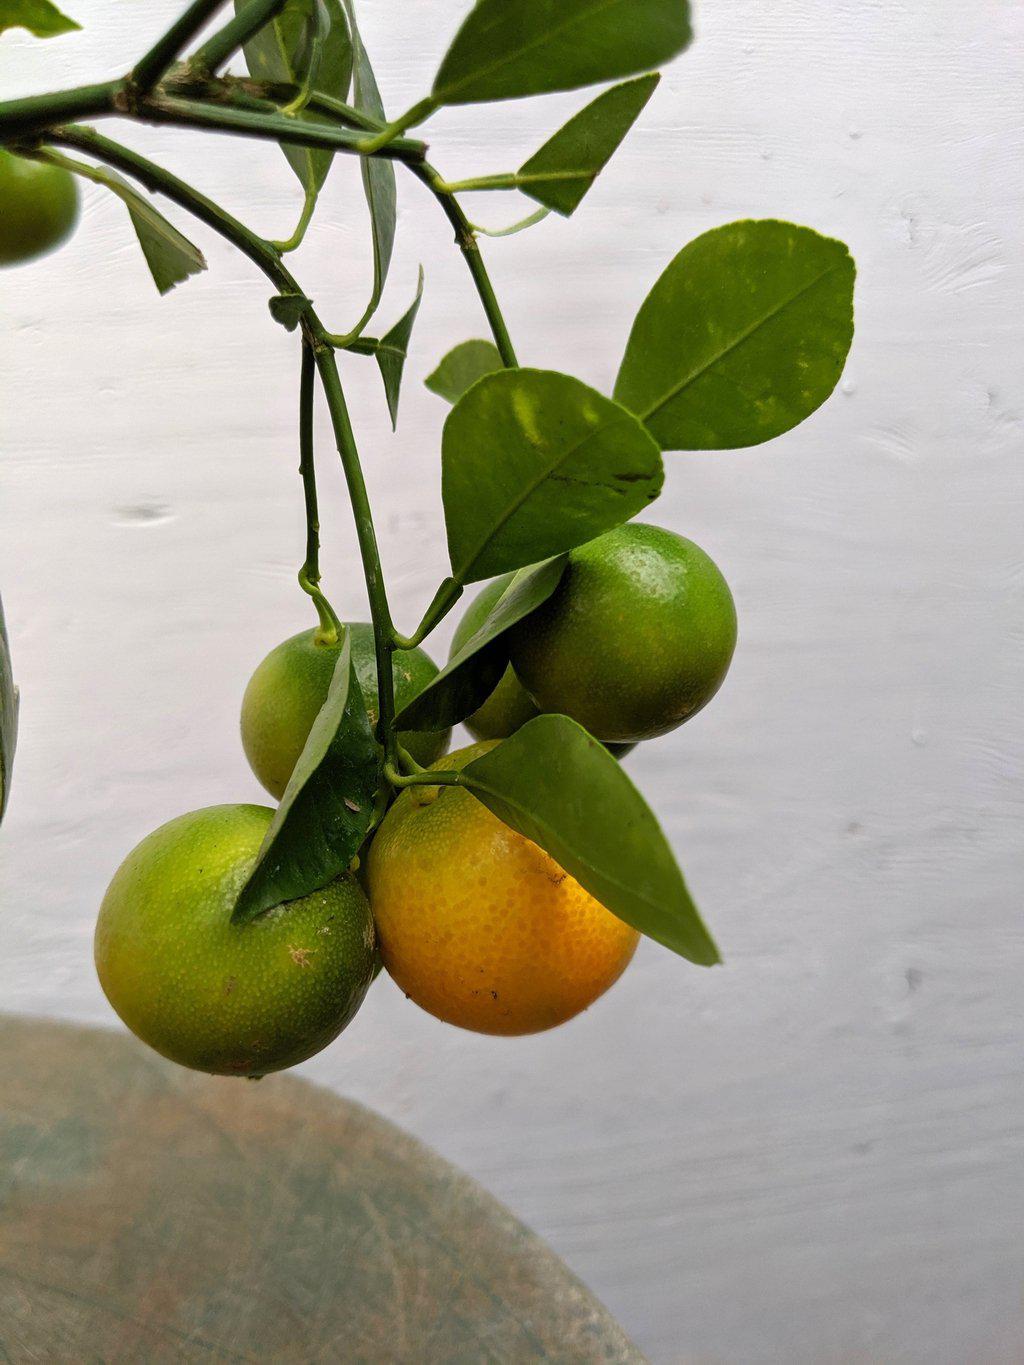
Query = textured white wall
x=813 y=1154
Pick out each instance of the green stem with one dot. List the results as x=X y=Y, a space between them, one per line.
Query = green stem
x=273 y=127
x=235 y=34
x=444 y=599
x=309 y=574
x=380 y=613
x=274 y=93
x=412 y=116
x=263 y=255
x=21 y=118
x=470 y=249
x=521 y=226
x=160 y=181
x=151 y=68
x=305 y=218
x=509 y=181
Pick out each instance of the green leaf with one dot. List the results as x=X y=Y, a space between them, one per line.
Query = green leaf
x=392 y=349
x=741 y=338
x=327 y=807
x=556 y=785
x=40 y=17
x=560 y=174
x=378 y=173
x=534 y=462
x=287 y=309
x=170 y=255
x=506 y=49
x=8 y=715
x=473 y=672
x=283 y=50
x=462 y=367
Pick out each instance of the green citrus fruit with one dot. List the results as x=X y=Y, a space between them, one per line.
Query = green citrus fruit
x=509 y=706
x=38 y=207
x=480 y=926
x=635 y=639
x=235 y=999
x=289 y=687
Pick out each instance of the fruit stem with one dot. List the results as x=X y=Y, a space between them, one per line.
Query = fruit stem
x=309 y=574
x=380 y=613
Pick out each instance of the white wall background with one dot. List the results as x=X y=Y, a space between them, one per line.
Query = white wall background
x=814 y=1154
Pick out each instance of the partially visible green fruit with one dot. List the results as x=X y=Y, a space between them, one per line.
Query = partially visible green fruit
x=508 y=707
x=288 y=688
x=38 y=207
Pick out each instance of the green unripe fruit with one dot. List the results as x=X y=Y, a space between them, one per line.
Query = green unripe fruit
x=636 y=638
x=233 y=999
x=38 y=207
x=288 y=688
x=509 y=706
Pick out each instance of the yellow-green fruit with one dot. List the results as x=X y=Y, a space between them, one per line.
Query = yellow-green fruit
x=234 y=999
x=509 y=706
x=38 y=208
x=635 y=639
x=289 y=687
x=480 y=926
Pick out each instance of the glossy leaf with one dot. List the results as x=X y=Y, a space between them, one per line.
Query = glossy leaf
x=42 y=18
x=472 y=673
x=560 y=174
x=462 y=367
x=170 y=255
x=534 y=462
x=327 y=807
x=741 y=338
x=377 y=172
x=8 y=716
x=556 y=785
x=283 y=50
x=392 y=349
x=506 y=49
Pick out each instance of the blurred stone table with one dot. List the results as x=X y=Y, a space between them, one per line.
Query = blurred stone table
x=148 y=1214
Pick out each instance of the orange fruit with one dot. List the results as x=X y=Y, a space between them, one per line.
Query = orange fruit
x=480 y=926
x=235 y=999
x=38 y=207
x=636 y=638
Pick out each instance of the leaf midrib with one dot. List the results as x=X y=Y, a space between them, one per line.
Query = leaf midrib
x=733 y=345
x=532 y=487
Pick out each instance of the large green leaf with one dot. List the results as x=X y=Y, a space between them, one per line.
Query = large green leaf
x=534 y=462
x=170 y=255
x=327 y=807
x=378 y=173
x=741 y=338
x=509 y=48
x=392 y=349
x=560 y=174
x=40 y=17
x=558 y=786
x=8 y=716
x=473 y=672
x=462 y=367
x=282 y=51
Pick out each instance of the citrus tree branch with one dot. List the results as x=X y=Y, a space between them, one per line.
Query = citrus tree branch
x=150 y=69
x=223 y=44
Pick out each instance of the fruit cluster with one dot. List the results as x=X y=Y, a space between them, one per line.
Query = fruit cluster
x=504 y=886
